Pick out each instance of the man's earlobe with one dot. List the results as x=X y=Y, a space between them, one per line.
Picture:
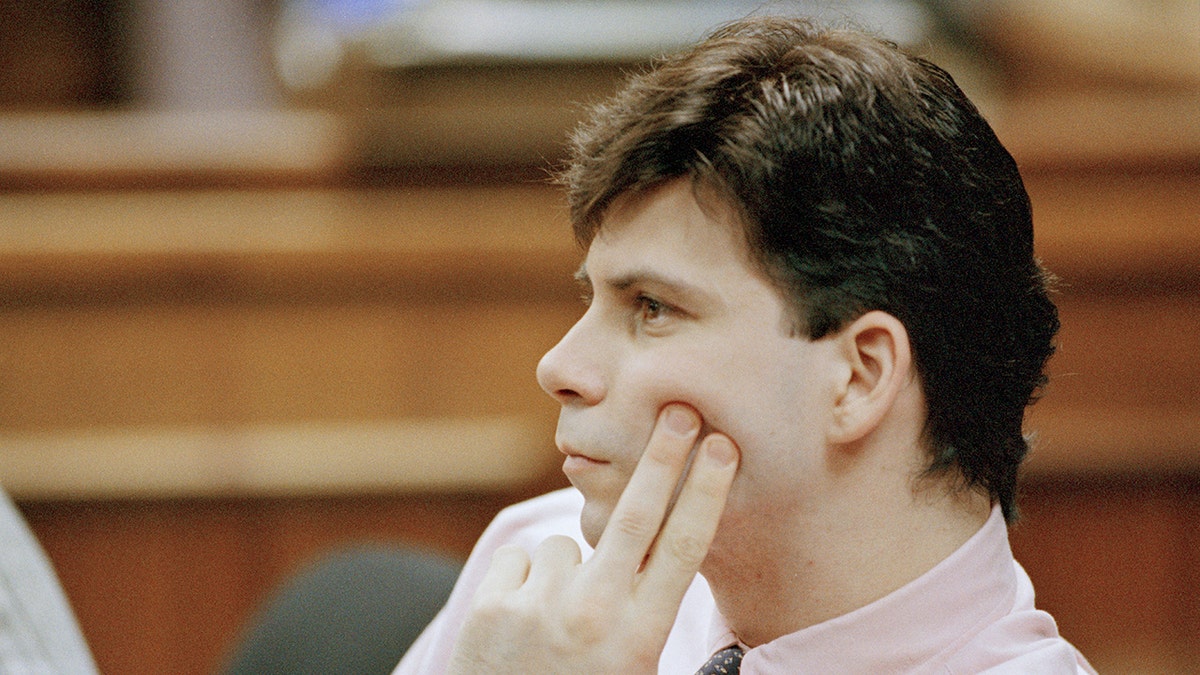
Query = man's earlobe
x=879 y=361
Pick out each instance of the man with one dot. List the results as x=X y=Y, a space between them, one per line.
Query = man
x=812 y=290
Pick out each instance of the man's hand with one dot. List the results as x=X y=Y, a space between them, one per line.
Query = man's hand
x=550 y=613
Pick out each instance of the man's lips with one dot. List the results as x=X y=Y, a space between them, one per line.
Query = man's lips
x=577 y=461
x=573 y=451
x=578 y=464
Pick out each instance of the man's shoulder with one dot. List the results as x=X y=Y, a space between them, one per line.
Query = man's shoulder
x=1025 y=640
x=567 y=502
x=1021 y=646
x=530 y=522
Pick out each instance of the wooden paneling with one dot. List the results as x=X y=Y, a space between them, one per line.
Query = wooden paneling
x=251 y=146
x=166 y=586
x=194 y=330
x=1114 y=561
x=241 y=319
x=1124 y=387
x=160 y=365
x=1119 y=230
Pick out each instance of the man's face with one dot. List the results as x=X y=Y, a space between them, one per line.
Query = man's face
x=679 y=313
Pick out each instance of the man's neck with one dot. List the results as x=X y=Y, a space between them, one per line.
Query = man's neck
x=843 y=550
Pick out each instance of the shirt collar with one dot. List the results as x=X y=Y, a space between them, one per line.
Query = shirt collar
x=931 y=615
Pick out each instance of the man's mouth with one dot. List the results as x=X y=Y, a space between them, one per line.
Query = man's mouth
x=577 y=462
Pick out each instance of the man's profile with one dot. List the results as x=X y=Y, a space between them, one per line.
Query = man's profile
x=812 y=288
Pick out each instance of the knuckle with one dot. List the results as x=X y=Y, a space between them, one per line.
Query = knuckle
x=510 y=552
x=558 y=545
x=557 y=552
x=633 y=524
x=512 y=610
x=509 y=555
x=689 y=551
x=587 y=624
x=492 y=607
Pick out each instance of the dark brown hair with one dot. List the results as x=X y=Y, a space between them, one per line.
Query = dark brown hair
x=866 y=180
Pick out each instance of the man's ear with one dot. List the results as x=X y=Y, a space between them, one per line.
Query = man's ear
x=878 y=363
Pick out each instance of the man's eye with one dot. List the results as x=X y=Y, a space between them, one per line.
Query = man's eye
x=651 y=309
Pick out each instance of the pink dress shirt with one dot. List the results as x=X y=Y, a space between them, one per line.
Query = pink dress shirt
x=972 y=613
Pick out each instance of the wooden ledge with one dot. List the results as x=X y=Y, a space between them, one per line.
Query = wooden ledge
x=305 y=459
x=464 y=119
x=1110 y=441
x=131 y=147
x=291 y=244
x=1100 y=128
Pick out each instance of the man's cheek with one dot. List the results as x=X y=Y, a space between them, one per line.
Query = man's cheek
x=656 y=380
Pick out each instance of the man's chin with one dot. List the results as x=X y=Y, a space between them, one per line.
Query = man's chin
x=592 y=521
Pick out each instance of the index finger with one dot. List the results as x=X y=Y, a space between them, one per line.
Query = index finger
x=643 y=505
x=684 y=541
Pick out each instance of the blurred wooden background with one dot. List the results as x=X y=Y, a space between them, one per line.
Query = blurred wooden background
x=233 y=341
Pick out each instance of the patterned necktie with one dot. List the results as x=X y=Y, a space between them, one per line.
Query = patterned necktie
x=725 y=662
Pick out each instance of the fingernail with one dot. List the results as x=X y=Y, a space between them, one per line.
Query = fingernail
x=721 y=449
x=681 y=420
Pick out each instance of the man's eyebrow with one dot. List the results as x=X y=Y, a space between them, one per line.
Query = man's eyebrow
x=647 y=277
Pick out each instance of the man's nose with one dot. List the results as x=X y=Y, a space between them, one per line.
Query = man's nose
x=570 y=371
